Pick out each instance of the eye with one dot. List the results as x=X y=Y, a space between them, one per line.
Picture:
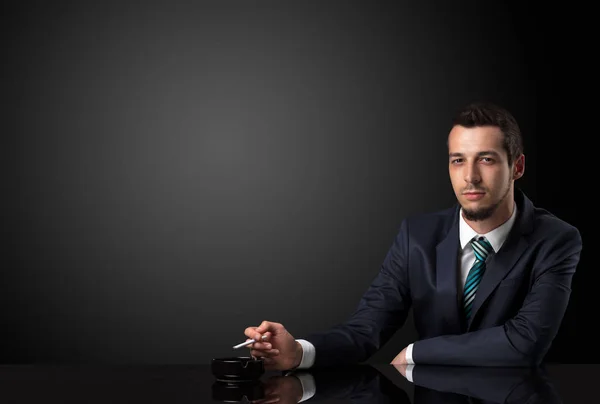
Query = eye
x=455 y=161
x=487 y=159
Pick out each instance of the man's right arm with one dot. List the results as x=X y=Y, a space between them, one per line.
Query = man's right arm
x=308 y=355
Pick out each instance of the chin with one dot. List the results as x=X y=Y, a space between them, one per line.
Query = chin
x=474 y=205
x=477 y=212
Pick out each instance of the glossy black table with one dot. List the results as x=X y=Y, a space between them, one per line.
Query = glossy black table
x=352 y=384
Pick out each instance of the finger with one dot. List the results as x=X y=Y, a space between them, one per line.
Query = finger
x=262 y=346
x=269 y=326
x=250 y=332
x=255 y=333
x=264 y=354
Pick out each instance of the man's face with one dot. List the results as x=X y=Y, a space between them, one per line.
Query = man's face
x=479 y=170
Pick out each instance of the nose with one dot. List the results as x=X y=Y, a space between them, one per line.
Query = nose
x=472 y=175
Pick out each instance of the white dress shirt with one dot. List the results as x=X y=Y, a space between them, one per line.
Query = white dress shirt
x=496 y=238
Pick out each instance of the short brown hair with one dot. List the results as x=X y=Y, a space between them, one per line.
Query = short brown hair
x=488 y=114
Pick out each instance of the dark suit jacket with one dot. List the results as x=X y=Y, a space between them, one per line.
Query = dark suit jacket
x=517 y=311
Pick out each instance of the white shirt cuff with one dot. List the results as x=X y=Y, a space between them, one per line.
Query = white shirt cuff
x=308 y=385
x=409 y=358
x=308 y=354
x=409 y=372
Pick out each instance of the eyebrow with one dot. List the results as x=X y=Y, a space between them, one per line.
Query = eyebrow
x=479 y=154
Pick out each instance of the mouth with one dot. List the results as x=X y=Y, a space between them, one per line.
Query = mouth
x=474 y=196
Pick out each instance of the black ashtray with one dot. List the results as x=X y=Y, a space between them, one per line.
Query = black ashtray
x=237 y=369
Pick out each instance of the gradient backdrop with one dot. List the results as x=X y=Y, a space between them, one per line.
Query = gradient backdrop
x=176 y=172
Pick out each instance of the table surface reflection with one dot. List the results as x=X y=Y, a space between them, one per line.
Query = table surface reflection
x=552 y=383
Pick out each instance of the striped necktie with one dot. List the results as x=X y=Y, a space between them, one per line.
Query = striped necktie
x=482 y=249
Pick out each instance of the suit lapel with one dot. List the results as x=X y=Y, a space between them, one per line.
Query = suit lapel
x=500 y=264
x=497 y=267
x=447 y=279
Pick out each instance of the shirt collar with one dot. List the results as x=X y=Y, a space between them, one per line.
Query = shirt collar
x=496 y=237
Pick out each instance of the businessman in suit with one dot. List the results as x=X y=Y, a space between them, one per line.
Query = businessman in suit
x=489 y=279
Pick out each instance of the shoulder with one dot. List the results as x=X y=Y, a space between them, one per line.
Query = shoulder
x=543 y=227
x=553 y=235
x=550 y=225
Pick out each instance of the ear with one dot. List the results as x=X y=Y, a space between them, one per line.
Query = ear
x=519 y=167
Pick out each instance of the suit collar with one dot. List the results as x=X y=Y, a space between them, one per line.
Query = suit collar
x=496 y=237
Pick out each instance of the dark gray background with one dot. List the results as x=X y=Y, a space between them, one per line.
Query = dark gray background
x=176 y=172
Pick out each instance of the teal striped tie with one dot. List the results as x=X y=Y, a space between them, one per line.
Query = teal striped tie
x=482 y=249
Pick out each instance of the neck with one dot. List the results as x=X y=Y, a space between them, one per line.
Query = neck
x=502 y=213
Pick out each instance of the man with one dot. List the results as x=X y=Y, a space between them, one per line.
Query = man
x=489 y=279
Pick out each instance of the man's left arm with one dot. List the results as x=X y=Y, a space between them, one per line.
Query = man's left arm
x=524 y=339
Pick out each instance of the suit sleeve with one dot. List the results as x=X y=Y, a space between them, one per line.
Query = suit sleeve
x=381 y=311
x=524 y=339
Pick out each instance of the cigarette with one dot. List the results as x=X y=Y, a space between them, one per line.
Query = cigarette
x=248 y=342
